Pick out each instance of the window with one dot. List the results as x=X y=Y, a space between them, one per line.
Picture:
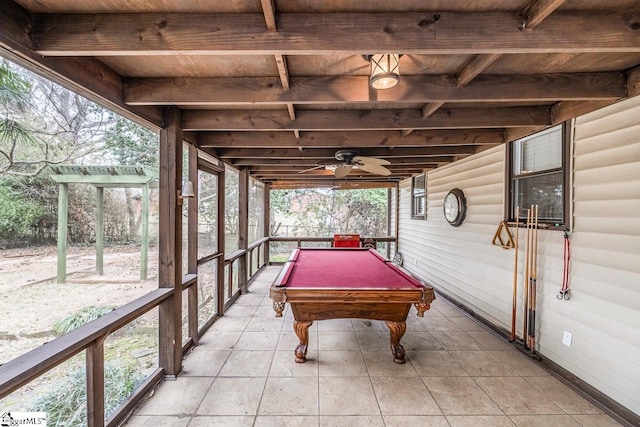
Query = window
x=538 y=176
x=419 y=196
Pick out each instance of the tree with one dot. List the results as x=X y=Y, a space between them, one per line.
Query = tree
x=43 y=124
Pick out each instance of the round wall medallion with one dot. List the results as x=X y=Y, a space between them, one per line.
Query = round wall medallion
x=455 y=207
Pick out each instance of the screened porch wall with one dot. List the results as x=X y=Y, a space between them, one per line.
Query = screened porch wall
x=603 y=314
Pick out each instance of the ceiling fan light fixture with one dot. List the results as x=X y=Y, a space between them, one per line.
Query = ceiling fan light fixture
x=385 y=70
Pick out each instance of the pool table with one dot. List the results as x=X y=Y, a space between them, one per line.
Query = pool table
x=337 y=283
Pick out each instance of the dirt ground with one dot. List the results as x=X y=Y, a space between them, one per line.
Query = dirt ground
x=31 y=301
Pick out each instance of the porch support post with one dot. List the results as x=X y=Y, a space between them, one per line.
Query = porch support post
x=243 y=228
x=220 y=283
x=95 y=383
x=100 y=230
x=170 y=243
x=63 y=212
x=192 y=256
x=144 y=250
x=267 y=220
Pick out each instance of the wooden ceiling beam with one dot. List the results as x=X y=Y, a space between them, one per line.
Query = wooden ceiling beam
x=477 y=65
x=537 y=11
x=350 y=139
x=355 y=89
x=333 y=184
x=314 y=120
x=328 y=153
x=409 y=162
x=317 y=33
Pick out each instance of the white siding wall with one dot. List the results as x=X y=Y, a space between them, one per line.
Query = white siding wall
x=604 y=311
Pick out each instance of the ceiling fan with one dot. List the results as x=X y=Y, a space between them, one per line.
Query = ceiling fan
x=346 y=160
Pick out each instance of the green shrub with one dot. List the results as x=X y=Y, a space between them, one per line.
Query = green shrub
x=79 y=318
x=65 y=402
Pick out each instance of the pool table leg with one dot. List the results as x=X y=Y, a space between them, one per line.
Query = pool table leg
x=397 y=330
x=301 y=329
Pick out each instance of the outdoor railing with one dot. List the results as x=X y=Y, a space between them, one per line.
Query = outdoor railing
x=91 y=336
x=324 y=241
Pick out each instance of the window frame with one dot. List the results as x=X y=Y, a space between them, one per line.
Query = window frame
x=415 y=215
x=566 y=182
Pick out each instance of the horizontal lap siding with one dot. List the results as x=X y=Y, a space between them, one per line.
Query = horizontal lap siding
x=604 y=311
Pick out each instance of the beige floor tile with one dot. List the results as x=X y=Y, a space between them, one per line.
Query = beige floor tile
x=456 y=340
x=416 y=420
x=262 y=324
x=521 y=364
x=480 y=421
x=204 y=363
x=157 y=421
x=338 y=341
x=258 y=341
x=374 y=340
x=403 y=396
x=446 y=309
x=460 y=396
x=233 y=396
x=254 y=297
x=435 y=322
x=178 y=397
x=221 y=421
x=366 y=325
x=435 y=364
x=467 y=324
x=236 y=324
x=544 y=421
x=219 y=340
x=347 y=396
x=280 y=421
x=567 y=399
x=482 y=364
x=414 y=324
x=284 y=365
x=380 y=364
x=335 y=325
x=240 y=311
x=515 y=396
x=341 y=364
x=596 y=420
x=266 y=311
x=290 y=396
x=420 y=341
x=489 y=341
x=351 y=421
x=247 y=364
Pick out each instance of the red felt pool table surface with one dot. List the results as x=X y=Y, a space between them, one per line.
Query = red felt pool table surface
x=344 y=268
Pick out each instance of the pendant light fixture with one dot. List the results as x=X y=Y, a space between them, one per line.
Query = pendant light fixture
x=385 y=70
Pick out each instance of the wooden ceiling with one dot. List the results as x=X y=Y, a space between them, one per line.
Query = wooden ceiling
x=279 y=85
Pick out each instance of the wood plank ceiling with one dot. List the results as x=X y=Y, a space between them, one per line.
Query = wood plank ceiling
x=277 y=86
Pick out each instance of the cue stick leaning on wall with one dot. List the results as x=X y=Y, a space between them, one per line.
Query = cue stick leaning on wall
x=525 y=281
x=534 y=282
x=515 y=280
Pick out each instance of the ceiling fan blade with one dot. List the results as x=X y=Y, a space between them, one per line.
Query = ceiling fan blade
x=370 y=160
x=375 y=169
x=342 y=171
x=311 y=169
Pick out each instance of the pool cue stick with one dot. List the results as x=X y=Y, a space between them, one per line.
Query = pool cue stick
x=534 y=283
x=515 y=280
x=525 y=282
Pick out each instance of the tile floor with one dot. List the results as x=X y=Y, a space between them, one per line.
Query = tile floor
x=457 y=374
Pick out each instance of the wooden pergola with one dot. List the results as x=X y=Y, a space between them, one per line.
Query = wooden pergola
x=102 y=177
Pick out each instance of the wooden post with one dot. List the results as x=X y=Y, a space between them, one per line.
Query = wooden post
x=243 y=228
x=100 y=230
x=389 y=211
x=220 y=285
x=192 y=256
x=267 y=220
x=95 y=383
x=63 y=212
x=170 y=243
x=144 y=250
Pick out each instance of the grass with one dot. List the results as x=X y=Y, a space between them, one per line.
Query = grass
x=79 y=318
